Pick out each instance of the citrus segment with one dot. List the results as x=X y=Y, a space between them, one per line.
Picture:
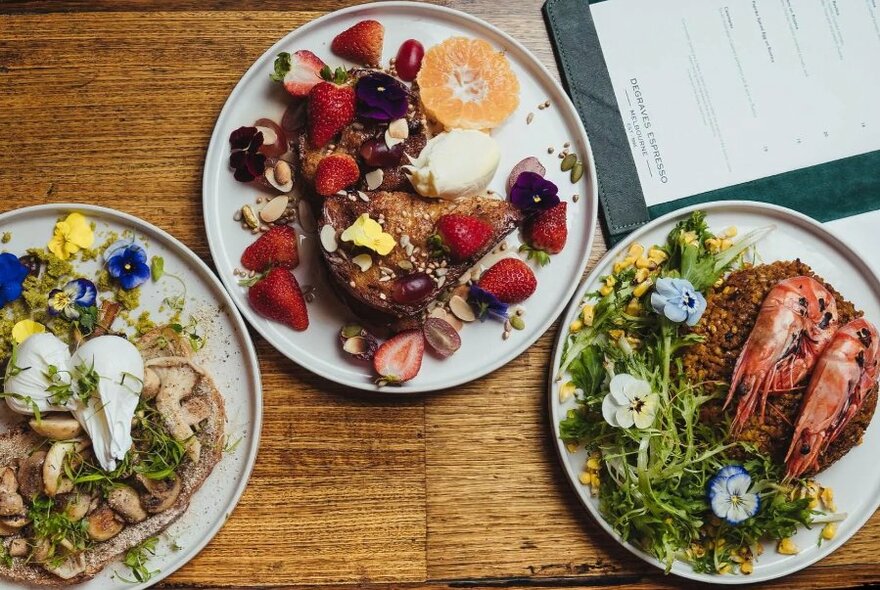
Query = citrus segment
x=467 y=84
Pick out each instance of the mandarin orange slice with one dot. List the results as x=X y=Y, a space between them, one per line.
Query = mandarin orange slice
x=467 y=84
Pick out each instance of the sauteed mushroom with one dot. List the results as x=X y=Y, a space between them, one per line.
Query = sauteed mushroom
x=178 y=379
x=54 y=481
x=30 y=475
x=125 y=500
x=160 y=495
x=11 y=502
x=56 y=426
x=103 y=524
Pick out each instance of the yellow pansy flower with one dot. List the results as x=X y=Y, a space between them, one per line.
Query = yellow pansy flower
x=368 y=233
x=70 y=235
x=25 y=329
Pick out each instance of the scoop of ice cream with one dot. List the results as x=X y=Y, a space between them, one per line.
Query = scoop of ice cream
x=455 y=164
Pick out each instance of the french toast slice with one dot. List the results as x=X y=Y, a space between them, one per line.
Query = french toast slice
x=411 y=220
x=356 y=133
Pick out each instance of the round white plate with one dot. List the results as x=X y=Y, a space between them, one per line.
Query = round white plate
x=228 y=356
x=855 y=479
x=483 y=350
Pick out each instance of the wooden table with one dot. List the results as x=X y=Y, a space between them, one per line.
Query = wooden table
x=113 y=103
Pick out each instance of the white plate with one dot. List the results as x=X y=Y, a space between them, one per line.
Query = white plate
x=228 y=356
x=483 y=350
x=855 y=479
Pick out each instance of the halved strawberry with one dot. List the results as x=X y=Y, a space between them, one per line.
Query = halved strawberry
x=361 y=43
x=461 y=236
x=331 y=107
x=298 y=72
x=334 y=173
x=546 y=233
x=400 y=358
x=278 y=297
x=276 y=247
x=510 y=280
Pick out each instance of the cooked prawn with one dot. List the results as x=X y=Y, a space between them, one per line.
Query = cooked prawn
x=795 y=323
x=844 y=375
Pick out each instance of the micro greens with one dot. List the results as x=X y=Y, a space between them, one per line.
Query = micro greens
x=51 y=525
x=136 y=560
x=190 y=330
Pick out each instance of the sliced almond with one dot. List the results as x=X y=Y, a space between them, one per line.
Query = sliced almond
x=398 y=129
x=355 y=345
x=274 y=209
x=391 y=141
x=328 y=238
x=272 y=178
x=306 y=219
x=374 y=179
x=453 y=321
x=461 y=309
x=269 y=135
x=364 y=261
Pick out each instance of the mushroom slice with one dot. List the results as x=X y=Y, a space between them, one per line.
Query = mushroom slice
x=56 y=426
x=195 y=410
x=125 y=501
x=77 y=506
x=161 y=494
x=54 y=482
x=151 y=384
x=7 y=531
x=17 y=547
x=178 y=380
x=69 y=568
x=30 y=475
x=11 y=502
x=42 y=550
x=103 y=524
x=15 y=522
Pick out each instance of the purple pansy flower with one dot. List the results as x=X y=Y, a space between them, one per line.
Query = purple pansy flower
x=678 y=301
x=12 y=275
x=730 y=495
x=533 y=192
x=245 y=158
x=381 y=98
x=72 y=298
x=486 y=304
x=127 y=263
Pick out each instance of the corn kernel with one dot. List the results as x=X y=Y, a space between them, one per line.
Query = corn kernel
x=615 y=334
x=698 y=550
x=585 y=478
x=689 y=237
x=593 y=464
x=759 y=549
x=829 y=530
x=606 y=290
x=633 y=307
x=725 y=569
x=720 y=543
x=576 y=326
x=636 y=250
x=719 y=282
x=827 y=497
x=657 y=255
x=624 y=264
x=587 y=314
x=736 y=558
x=633 y=341
x=571 y=447
x=726 y=244
x=713 y=244
x=646 y=263
x=566 y=391
x=814 y=503
x=610 y=280
x=594 y=480
x=642 y=274
x=643 y=288
x=730 y=232
x=746 y=567
x=787 y=547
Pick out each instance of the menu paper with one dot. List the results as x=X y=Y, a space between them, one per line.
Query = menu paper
x=714 y=93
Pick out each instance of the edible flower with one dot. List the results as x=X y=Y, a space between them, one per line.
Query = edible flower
x=246 y=159
x=730 y=497
x=533 y=192
x=12 y=275
x=70 y=300
x=486 y=304
x=381 y=98
x=367 y=232
x=678 y=301
x=630 y=402
x=127 y=263
x=71 y=234
x=24 y=329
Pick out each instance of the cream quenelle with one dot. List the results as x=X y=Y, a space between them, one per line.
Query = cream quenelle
x=455 y=164
x=105 y=378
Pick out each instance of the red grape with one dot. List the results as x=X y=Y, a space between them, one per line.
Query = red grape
x=441 y=336
x=294 y=117
x=378 y=155
x=274 y=138
x=412 y=288
x=409 y=59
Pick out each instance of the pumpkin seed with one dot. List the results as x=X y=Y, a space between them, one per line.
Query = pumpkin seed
x=517 y=322
x=577 y=172
x=568 y=162
x=250 y=217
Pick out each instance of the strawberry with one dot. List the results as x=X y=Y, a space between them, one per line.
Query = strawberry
x=276 y=247
x=546 y=233
x=335 y=173
x=298 y=72
x=330 y=108
x=461 y=236
x=277 y=296
x=510 y=280
x=361 y=43
x=400 y=358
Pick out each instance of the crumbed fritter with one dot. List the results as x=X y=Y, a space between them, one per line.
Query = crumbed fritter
x=730 y=315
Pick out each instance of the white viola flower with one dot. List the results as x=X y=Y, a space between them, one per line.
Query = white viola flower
x=730 y=497
x=630 y=402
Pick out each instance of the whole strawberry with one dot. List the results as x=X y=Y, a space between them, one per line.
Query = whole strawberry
x=461 y=236
x=546 y=233
x=510 y=280
x=400 y=358
x=361 y=43
x=331 y=107
x=278 y=297
x=299 y=73
x=276 y=247
x=334 y=173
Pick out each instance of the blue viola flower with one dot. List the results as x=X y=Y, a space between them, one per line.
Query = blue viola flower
x=486 y=304
x=533 y=192
x=127 y=263
x=70 y=300
x=678 y=300
x=12 y=275
x=730 y=496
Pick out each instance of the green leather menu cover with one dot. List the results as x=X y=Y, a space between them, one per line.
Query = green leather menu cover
x=827 y=191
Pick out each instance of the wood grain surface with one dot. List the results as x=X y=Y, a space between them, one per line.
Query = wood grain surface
x=113 y=102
